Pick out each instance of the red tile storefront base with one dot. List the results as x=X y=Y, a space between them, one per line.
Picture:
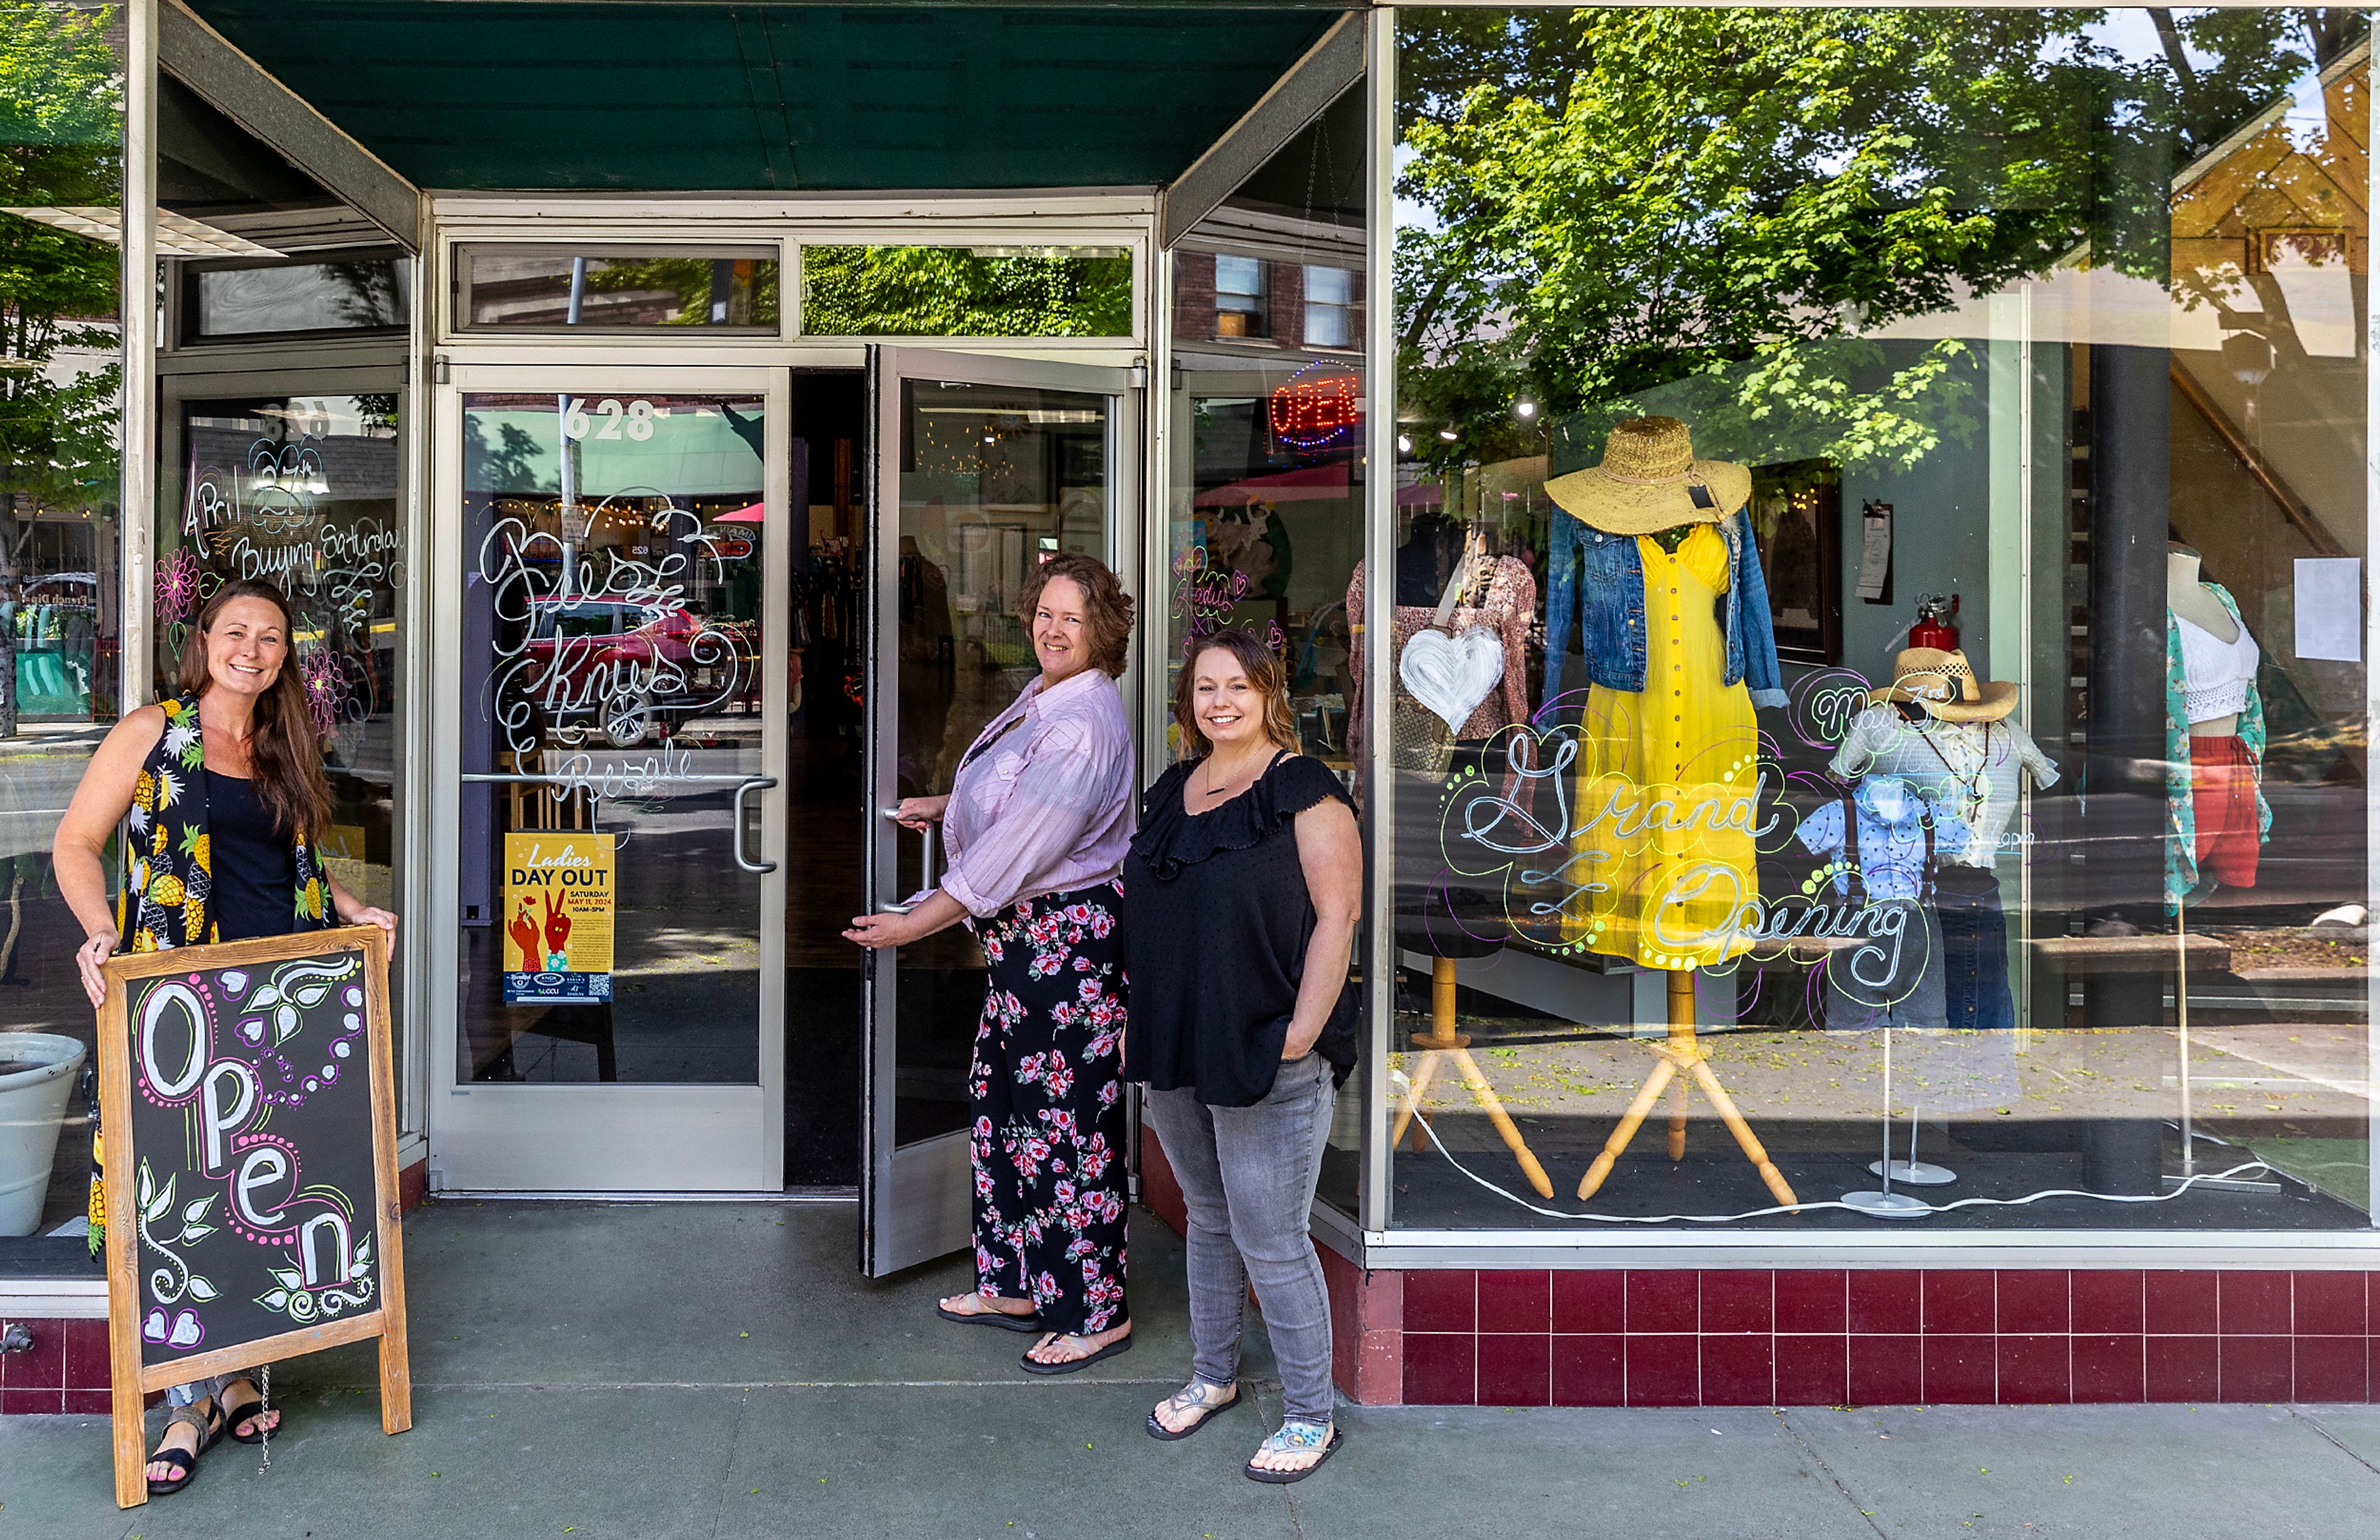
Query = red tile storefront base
x=64 y=1370
x=1722 y=1336
x=1896 y=1350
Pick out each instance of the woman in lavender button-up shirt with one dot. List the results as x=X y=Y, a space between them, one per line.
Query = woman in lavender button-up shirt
x=1035 y=827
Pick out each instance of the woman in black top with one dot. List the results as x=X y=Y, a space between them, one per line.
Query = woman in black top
x=1240 y=901
x=221 y=795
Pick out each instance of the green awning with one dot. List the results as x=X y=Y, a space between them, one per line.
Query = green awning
x=616 y=95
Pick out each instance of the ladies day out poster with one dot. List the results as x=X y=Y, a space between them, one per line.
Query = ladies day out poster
x=557 y=917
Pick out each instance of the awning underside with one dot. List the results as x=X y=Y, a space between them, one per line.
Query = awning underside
x=551 y=95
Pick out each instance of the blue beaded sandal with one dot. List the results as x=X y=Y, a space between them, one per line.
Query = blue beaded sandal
x=1197 y=1396
x=1296 y=1435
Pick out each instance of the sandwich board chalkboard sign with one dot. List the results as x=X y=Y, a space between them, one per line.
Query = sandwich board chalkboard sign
x=249 y=1129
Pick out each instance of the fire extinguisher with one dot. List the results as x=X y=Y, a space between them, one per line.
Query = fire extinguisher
x=1937 y=625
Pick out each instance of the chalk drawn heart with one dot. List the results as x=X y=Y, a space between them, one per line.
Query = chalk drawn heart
x=1453 y=674
x=233 y=981
x=252 y=1029
x=187 y=1330
x=152 y=1326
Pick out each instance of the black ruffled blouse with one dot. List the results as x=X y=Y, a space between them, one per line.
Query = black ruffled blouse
x=1216 y=920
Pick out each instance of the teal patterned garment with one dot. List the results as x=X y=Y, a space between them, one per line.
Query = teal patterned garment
x=2181 y=813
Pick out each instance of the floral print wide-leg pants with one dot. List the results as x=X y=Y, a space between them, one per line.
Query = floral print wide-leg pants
x=1046 y=1084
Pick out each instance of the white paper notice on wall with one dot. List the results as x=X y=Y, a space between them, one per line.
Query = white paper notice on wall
x=1875 y=553
x=2330 y=608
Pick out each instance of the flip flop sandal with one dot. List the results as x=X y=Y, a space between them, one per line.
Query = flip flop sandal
x=242 y=1412
x=1030 y=1321
x=185 y=1462
x=1035 y=1366
x=1283 y=1478
x=1206 y=1411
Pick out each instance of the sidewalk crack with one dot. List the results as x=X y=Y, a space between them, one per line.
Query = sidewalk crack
x=734 y=1440
x=2332 y=1440
x=1828 y=1471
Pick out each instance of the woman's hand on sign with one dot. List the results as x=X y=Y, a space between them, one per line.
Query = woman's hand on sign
x=918 y=812
x=352 y=910
x=88 y=958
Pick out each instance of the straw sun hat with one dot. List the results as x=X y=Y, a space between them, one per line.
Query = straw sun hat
x=1642 y=487
x=1945 y=685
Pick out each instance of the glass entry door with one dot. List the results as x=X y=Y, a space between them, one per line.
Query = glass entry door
x=984 y=468
x=610 y=625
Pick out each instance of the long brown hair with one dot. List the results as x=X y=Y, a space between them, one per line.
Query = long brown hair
x=1267 y=673
x=285 y=755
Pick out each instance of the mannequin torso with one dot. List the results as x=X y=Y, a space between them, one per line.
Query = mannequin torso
x=2189 y=599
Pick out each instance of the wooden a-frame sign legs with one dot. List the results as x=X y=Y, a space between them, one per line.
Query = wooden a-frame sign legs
x=199 y=1088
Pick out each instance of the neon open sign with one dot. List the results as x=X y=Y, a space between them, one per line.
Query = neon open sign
x=1311 y=411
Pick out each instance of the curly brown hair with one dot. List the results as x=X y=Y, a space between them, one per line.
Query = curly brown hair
x=1106 y=608
x=1267 y=673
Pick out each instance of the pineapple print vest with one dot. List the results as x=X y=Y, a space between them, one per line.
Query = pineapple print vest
x=168 y=866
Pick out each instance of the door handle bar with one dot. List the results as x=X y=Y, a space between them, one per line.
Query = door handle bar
x=928 y=858
x=757 y=784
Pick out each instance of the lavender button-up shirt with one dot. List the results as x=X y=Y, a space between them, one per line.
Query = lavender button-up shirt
x=1042 y=802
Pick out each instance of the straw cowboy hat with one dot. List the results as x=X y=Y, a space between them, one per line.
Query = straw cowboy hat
x=1645 y=484
x=1945 y=685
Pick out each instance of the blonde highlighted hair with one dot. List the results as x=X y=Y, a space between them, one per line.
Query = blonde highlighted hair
x=1267 y=674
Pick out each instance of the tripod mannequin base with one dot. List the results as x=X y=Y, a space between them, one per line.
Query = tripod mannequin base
x=1916 y=1173
x=1683 y=1055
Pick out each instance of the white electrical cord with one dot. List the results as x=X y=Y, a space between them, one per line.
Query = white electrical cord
x=1397 y=1077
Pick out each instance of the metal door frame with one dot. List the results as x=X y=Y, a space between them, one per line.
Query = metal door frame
x=915 y=1200
x=599 y=1138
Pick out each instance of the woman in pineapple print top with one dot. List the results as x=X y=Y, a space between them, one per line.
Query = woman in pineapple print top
x=221 y=795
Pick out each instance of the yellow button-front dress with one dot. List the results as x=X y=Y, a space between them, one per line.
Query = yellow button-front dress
x=1667 y=783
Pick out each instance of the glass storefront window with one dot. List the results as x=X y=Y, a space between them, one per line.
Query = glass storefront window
x=1896 y=751
x=958 y=291
x=727 y=289
x=60 y=107
x=1264 y=525
x=330 y=292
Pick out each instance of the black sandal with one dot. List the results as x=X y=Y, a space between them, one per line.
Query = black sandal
x=234 y=1416
x=987 y=1315
x=185 y=1462
x=1035 y=1366
x=1206 y=1414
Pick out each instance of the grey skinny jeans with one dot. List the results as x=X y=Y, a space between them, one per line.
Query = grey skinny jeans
x=1247 y=1176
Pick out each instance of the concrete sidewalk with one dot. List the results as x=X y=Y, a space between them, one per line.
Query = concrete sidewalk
x=701 y=1370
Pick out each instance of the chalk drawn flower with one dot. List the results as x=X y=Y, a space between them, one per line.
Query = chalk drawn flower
x=177 y=584
x=326 y=689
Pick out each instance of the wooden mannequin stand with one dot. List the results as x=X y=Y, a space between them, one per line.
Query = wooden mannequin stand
x=1442 y=1041
x=1682 y=1052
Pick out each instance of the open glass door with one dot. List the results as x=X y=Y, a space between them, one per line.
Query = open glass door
x=612 y=635
x=985 y=467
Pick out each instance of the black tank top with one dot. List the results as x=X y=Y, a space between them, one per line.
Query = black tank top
x=1216 y=920
x=255 y=870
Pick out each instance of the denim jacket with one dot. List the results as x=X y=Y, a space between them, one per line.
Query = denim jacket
x=1598 y=579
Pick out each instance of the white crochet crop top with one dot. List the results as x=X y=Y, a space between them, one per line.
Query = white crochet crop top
x=2215 y=674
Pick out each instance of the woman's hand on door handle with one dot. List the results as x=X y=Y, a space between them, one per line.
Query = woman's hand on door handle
x=920 y=812
x=937 y=911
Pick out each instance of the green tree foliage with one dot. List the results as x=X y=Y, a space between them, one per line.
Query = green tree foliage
x=945 y=291
x=59 y=134
x=1724 y=205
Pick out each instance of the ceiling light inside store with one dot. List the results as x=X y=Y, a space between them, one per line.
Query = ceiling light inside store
x=176 y=237
x=1448 y=434
x=1404 y=444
